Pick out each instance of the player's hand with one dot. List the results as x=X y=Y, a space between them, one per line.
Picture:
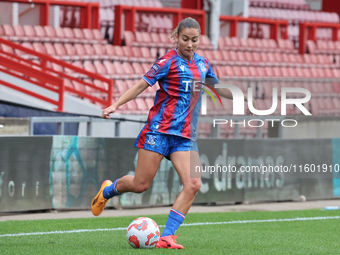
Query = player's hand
x=248 y=112
x=107 y=111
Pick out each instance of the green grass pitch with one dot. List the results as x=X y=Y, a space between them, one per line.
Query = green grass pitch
x=318 y=236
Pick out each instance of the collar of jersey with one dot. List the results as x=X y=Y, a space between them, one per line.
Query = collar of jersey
x=190 y=61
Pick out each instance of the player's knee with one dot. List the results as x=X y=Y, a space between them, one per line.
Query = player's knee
x=193 y=186
x=140 y=188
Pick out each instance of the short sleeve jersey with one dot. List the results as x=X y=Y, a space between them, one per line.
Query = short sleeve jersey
x=174 y=111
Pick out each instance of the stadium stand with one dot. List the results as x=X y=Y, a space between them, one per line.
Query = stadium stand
x=295 y=12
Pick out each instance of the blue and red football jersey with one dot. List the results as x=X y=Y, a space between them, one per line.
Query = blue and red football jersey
x=176 y=108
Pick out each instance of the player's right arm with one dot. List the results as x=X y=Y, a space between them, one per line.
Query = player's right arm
x=128 y=95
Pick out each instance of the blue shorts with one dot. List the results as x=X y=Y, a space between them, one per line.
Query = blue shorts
x=164 y=144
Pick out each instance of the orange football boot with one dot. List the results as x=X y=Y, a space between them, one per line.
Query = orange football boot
x=99 y=202
x=168 y=242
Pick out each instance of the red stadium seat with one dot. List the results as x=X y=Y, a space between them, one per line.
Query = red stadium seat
x=129 y=38
x=59 y=32
x=24 y=54
x=41 y=34
x=244 y=44
x=209 y=56
x=39 y=47
x=139 y=40
x=127 y=50
x=89 y=35
x=68 y=33
x=99 y=50
x=19 y=32
x=120 y=87
x=9 y=33
x=311 y=47
x=218 y=57
x=147 y=41
x=98 y=36
x=220 y=43
x=251 y=44
x=138 y=69
x=130 y=71
x=110 y=51
x=141 y=105
x=49 y=49
x=146 y=67
x=205 y=41
x=236 y=44
x=120 y=70
x=146 y=55
x=71 y=51
x=88 y=66
x=80 y=50
x=50 y=33
x=79 y=35
x=119 y=52
x=90 y=51
x=110 y=70
x=99 y=67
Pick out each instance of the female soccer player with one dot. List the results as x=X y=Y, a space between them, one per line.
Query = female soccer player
x=170 y=130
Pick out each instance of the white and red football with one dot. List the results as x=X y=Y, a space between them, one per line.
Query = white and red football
x=143 y=233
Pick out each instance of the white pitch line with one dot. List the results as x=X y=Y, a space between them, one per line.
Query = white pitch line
x=185 y=225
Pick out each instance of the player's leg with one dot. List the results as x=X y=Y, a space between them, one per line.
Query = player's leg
x=147 y=166
x=182 y=161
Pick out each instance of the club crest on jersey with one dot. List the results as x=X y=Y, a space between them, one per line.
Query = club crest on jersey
x=154 y=69
x=151 y=140
x=202 y=66
x=182 y=67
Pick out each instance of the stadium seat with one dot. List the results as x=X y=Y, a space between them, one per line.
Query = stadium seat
x=89 y=35
x=110 y=51
x=24 y=54
x=80 y=50
x=94 y=35
x=39 y=47
x=88 y=66
x=218 y=57
x=129 y=38
x=100 y=68
x=20 y=33
x=138 y=69
x=41 y=34
x=127 y=50
x=49 y=49
x=9 y=33
x=119 y=53
x=79 y=36
x=130 y=71
x=142 y=107
x=205 y=43
x=120 y=70
x=165 y=40
x=99 y=50
x=59 y=32
x=50 y=33
x=90 y=51
x=110 y=70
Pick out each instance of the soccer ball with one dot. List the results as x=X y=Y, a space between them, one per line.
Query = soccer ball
x=143 y=233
